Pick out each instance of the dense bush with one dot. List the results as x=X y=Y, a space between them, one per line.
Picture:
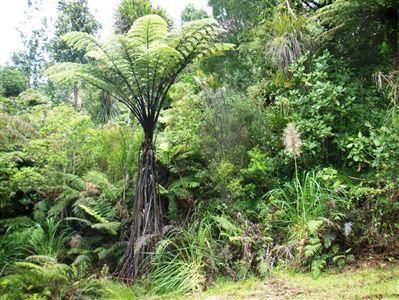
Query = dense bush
x=281 y=154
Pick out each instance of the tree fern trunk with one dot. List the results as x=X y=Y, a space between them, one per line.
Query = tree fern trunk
x=146 y=227
x=392 y=19
x=76 y=98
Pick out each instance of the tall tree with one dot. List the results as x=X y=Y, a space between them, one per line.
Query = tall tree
x=32 y=59
x=240 y=22
x=191 y=13
x=238 y=18
x=129 y=11
x=73 y=15
x=138 y=70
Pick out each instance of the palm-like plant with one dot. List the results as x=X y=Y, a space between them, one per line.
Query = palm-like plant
x=138 y=69
x=288 y=37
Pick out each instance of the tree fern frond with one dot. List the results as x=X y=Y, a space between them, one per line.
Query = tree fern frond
x=148 y=29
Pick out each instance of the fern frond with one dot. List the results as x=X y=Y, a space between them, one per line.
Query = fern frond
x=42 y=259
x=17 y=222
x=118 y=247
x=110 y=227
x=91 y=212
x=226 y=225
x=148 y=29
x=84 y=221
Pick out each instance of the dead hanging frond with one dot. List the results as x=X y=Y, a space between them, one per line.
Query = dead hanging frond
x=146 y=240
x=389 y=80
x=292 y=140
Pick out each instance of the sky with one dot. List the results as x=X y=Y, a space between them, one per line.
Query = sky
x=12 y=16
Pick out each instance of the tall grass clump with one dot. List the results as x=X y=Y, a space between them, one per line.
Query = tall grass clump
x=179 y=260
x=302 y=202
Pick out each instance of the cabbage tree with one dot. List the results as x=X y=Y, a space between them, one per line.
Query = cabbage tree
x=138 y=69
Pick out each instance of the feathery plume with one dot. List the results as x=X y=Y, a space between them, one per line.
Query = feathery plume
x=292 y=140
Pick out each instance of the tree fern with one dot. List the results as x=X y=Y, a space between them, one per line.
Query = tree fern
x=138 y=69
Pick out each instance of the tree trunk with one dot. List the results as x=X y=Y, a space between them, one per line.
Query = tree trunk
x=146 y=227
x=392 y=17
x=76 y=98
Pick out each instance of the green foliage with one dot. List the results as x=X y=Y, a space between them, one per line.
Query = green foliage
x=47 y=239
x=43 y=277
x=288 y=38
x=13 y=248
x=301 y=203
x=326 y=107
x=129 y=11
x=349 y=25
x=235 y=204
x=313 y=211
x=223 y=242
x=378 y=149
x=12 y=82
x=178 y=265
x=72 y=16
x=148 y=53
x=191 y=13
x=115 y=290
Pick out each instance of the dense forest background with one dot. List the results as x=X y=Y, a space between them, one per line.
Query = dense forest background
x=281 y=151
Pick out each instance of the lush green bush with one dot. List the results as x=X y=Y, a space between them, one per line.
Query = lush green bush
x=310 y=215
x=12 y=82
x=237 y=202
